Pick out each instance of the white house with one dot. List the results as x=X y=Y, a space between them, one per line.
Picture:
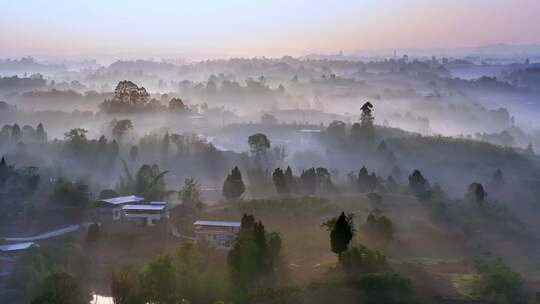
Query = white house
x=148 y=214
x=216 y=233
x=110 y=209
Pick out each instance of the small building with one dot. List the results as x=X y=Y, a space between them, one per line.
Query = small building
x=110 y=209
x=149 y=214
x=216 y=233
x=12 y=248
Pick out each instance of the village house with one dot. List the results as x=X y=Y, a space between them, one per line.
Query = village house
x=149 y=214
x=110 y=209
x=216 y=233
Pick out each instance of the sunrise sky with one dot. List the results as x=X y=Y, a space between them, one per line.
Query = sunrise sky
x=257 y=27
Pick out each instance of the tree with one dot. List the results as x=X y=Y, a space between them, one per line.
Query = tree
x=280 y=181
x=72 y=194
x=497 y=283
x=258 y=144
x=252 y=257
x=190 y=194
x=16 y=134
x=366 y=120
x=158 y=281
x=126 y=286
x=336 y=129
x=177 y=105
x=476 y=193
x=41 y=135
x=417 y=183
x=341 y=234
x=61 y=288
x=308 y=178
x=233 y=187
x=76 y=139
x=121 y=128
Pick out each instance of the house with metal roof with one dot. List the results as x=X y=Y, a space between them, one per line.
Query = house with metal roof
x=11 y=248
x=148 y=214
x=110 y=209
x=216 y=233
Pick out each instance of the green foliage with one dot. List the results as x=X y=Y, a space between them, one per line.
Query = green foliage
x=158 y=281
x=233 y=187
x=341 y=234
x=360 y=260
x=252 y=258
x=61 y=288
x=71 y=194
x=497 y=283
x=190 y=194
x=126 y=286
x=20 y=181
x=148 y=182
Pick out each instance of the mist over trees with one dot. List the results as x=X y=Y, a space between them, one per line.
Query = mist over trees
x=328 y=179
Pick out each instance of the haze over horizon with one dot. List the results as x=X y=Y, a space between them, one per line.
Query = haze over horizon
x=243 y=28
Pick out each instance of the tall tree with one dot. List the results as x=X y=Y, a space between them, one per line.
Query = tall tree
x=280 y=181
x=476 y=193
x=233 y=187
x=418 y=183
x=41 y=135
x=341 y=233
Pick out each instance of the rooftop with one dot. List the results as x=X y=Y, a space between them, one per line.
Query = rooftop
x=146 y=207
x=122 y=200
x=15 y=247
x=217 y=223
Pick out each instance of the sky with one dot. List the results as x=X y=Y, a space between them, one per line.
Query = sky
x=259 y=27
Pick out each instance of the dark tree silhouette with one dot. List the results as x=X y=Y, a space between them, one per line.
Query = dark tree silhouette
x=341 y=235
x=280 y=181
x=233 y=187
x=418 y=183
x=476 y=193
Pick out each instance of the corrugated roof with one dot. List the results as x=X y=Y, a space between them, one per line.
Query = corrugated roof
x=217 y=223
x=15 y=247
x=122 y=200
x=144 y=207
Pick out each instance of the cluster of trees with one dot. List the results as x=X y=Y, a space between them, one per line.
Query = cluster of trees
x=148 y=182
x=53 y=274
x=253 y=259
x=14 y=134
x=363 y=268
x=20 y=182
x=71 y=194
x=130 y=98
